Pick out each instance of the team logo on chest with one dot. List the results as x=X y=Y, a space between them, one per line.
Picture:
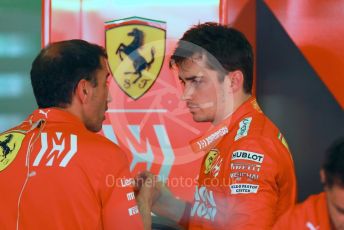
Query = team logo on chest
x=213 y=163
x=212 y=154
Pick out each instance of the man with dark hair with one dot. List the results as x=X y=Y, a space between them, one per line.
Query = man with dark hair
x=247 y=175
x=324 y=210
x=55 y=171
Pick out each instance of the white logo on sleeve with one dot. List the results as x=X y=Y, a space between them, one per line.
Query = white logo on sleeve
x=246 y=155
x=310 y=226
x=244 y=126
x=130 y=196
x=133 y=211
x=44 y=113
x=244 y=188
x=125 y=182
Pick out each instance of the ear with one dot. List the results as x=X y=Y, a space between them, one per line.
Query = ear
x=83 y=91
x=322 y=176
x=236 y=80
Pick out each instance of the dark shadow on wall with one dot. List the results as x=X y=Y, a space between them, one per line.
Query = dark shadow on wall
x=294 y=97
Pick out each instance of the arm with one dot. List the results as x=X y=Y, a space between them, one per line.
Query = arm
x=262 y=184
x=119 y=206
x=144 y=192
x=167 y=205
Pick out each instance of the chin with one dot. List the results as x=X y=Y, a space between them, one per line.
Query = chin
x=94 y=128
x=201 y=119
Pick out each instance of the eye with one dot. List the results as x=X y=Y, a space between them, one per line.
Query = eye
x=196 y=81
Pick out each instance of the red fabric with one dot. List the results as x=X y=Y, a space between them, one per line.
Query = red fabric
x=247 y=177
x=311 y=214
x=66 y=189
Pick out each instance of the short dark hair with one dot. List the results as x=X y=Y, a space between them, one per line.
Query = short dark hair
x=333 y=165
x=226 y=49
x=60 y=66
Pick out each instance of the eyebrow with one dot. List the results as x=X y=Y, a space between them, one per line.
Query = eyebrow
x=189 y=78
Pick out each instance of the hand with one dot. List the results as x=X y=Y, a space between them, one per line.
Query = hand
x=145 y=191
x=158 y=197
x=144 y=188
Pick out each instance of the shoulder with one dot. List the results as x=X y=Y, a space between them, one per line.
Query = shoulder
x=260 y=125
x=308 y=212
x=97 y=146
x=312 y=203
x=255 y=130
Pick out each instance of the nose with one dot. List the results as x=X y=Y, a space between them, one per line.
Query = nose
x=187 y=92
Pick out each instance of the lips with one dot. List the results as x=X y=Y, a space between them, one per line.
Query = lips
x=192 y=107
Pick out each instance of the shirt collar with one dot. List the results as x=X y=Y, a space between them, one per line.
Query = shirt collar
x=55 y=115
x=211 y=137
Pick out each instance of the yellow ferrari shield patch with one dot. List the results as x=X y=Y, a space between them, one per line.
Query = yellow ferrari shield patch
x=9 y=146
x=136 y=50
x=209 y=160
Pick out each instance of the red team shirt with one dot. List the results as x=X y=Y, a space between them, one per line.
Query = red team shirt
x=312 y=214
x=58 y=175
x=247 y=177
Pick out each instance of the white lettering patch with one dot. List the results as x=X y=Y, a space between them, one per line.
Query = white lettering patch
x=244 y=188
x=212 y=137
x=130 y=196
x=204 y=204
x=244 y=126
x=244 y=166
x=134 y=210
x=247 y=175
x=246 y=155
x=127 y=182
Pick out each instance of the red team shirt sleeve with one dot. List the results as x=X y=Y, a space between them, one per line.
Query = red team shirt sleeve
x=117 y=196
x=258 y=181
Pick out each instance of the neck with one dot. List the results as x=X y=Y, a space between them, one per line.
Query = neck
x=232 y=104
x=75 y=109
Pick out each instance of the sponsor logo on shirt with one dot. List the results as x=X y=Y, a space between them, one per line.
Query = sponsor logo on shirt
x=239 y=175
x=310 y=226
x=44 y=112
x=216 y=167
x=133 y=210
x=212 y=137
x=56 y=149
x=244 y=166
x=244 y=188
x=246 y=155
x=204 y=204
x=127 y=182
x=130 y=196
x=244 y=126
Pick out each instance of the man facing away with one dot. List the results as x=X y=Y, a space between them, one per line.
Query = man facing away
x=55 y=171
x=323 y=211
x=247 y=178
